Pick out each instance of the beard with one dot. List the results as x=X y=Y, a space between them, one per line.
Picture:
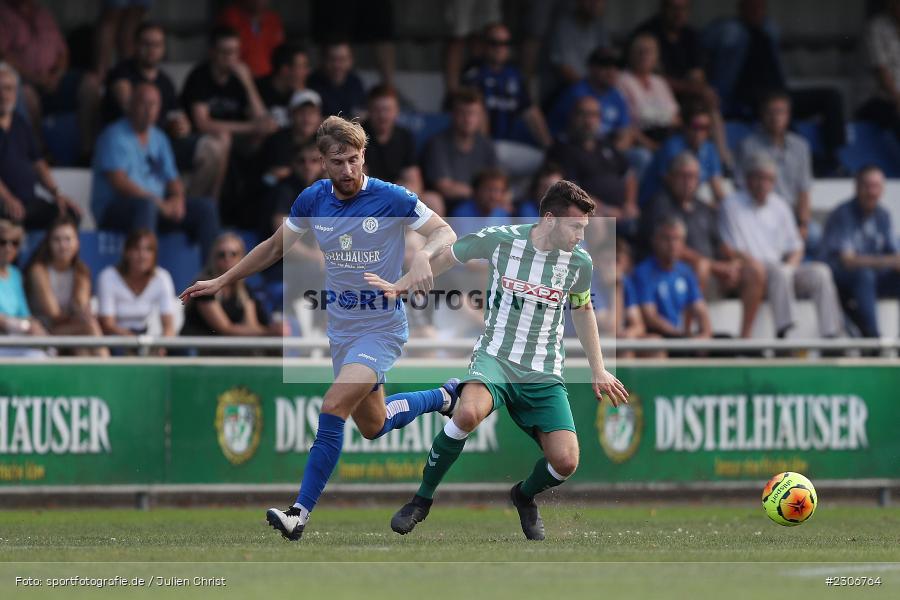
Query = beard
x=348 y=187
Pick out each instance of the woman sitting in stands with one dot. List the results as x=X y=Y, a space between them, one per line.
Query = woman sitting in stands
x=136 y=290
x=653 y=107
x=59 y=286
x=232 y=311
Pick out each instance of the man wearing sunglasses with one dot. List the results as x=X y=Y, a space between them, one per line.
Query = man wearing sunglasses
x=360 y=225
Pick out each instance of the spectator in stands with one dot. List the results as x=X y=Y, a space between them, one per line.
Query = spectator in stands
x=364 y=22
x=526 y=208
x=578 y=32
x=671 y=301
x=59 y=285
x=881 y=42
x=232 y=311
x=305 y=169
x=465 y=19
x=628 y=319
x=505 y=92
x=136 y=290
x=277 y=153
x=202 y=158
x=491 y=203
x=745 y=65
x=652 y=105
x=391 y=151
x=757 y=223
x=594 y=164
x=681 y=62
x=338 y=83
x=600 y=82
x=860 y=247
x=30 y=41
x=116 y=30
x=136 y=184
x=220 y=95
x=28 y=191
x=790 y=153
x=694 y=138
x=453 y=157
x=703 y=248
x=260 y=30
x=15 y=317
x=290 y=69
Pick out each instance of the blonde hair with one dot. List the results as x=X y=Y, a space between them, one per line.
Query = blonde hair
x=340 y=131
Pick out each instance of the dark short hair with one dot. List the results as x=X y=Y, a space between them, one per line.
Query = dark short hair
x=866 y=169
x=463 y=96
x=563 y=194
x=773 y=96
x=147 y=26
x=298 y=149
x=490 y=174
x=548 y=168
x=221 y=32
x=383 y=90
x=668 y=221
x=283 y=54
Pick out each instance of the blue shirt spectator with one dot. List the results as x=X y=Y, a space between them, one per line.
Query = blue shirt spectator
x=614 y=113
x=707 y=155
x=12 y=294
x=849 y=230
x=505 y=96
x=670 y=291
x=151 y=167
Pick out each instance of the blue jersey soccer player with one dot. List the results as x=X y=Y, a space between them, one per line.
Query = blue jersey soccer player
x=359 y=223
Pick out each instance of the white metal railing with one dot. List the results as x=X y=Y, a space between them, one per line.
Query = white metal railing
x=145 y=343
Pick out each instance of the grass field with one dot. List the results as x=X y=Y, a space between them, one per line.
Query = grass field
x=474 y=552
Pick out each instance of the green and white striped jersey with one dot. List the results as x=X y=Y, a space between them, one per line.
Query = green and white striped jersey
x=526 y=292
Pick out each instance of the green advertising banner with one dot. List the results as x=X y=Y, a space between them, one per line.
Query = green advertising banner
x=205 y=423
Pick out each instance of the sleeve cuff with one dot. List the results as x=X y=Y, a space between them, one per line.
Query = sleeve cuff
x=293 y=227
x=426 y=214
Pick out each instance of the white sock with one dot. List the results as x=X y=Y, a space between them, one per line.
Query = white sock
x=304 y=514
x=455 y=432
x=553 y=472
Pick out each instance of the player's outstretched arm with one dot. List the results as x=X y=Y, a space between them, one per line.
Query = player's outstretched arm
x=603 y=382
x=438 y=238
x=264 y=255
x=439 y=263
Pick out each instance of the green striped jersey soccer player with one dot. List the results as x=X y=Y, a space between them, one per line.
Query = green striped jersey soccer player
x=517 y=362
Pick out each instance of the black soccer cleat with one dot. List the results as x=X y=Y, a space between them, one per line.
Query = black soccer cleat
x=410 y=514
x=529 y=517
x=287 y=522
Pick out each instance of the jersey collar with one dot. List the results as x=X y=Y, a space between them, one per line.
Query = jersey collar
x=365 y=184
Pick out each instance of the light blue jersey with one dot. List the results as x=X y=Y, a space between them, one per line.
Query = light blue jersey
x=362 y=234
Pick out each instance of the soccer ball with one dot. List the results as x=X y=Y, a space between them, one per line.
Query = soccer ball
x=789 y=499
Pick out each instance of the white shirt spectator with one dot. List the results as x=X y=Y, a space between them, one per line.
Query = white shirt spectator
x=767 y=232
x=132 y=311
x=882 y=46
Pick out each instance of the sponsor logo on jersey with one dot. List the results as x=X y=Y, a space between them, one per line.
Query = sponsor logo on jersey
x=346 y=241
x=370 y=225
x=323 y=227
x=367 y=356
x=534 y=291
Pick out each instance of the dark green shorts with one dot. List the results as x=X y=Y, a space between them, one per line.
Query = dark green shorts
x=535 y=401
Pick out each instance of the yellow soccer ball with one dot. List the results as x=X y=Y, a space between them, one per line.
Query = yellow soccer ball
x=789 y=499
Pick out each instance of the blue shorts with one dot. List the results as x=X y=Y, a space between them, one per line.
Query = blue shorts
x=377 y=350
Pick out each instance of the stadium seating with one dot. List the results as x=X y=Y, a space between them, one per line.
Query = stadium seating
x=76 y=183
x=868 y=144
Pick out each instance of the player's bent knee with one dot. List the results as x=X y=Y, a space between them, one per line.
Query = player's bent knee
x=467 y=418
x=565 y=465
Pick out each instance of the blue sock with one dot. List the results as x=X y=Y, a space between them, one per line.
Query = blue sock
x=402 y=409
x=323 y=457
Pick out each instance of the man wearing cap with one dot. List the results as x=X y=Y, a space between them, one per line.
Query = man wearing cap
x=304 y=118
x=757 y=223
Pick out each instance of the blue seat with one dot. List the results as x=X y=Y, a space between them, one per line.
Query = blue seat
x=424 y=125
x=735 y=132
x=61 y=136
x=100 y=249
x=809 y=130
x=868 y=144
x=181 y=258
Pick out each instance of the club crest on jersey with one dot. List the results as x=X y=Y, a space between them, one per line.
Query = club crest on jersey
x=533 y=291
x=560 y=272
x=370 y=225
x=346 y=241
